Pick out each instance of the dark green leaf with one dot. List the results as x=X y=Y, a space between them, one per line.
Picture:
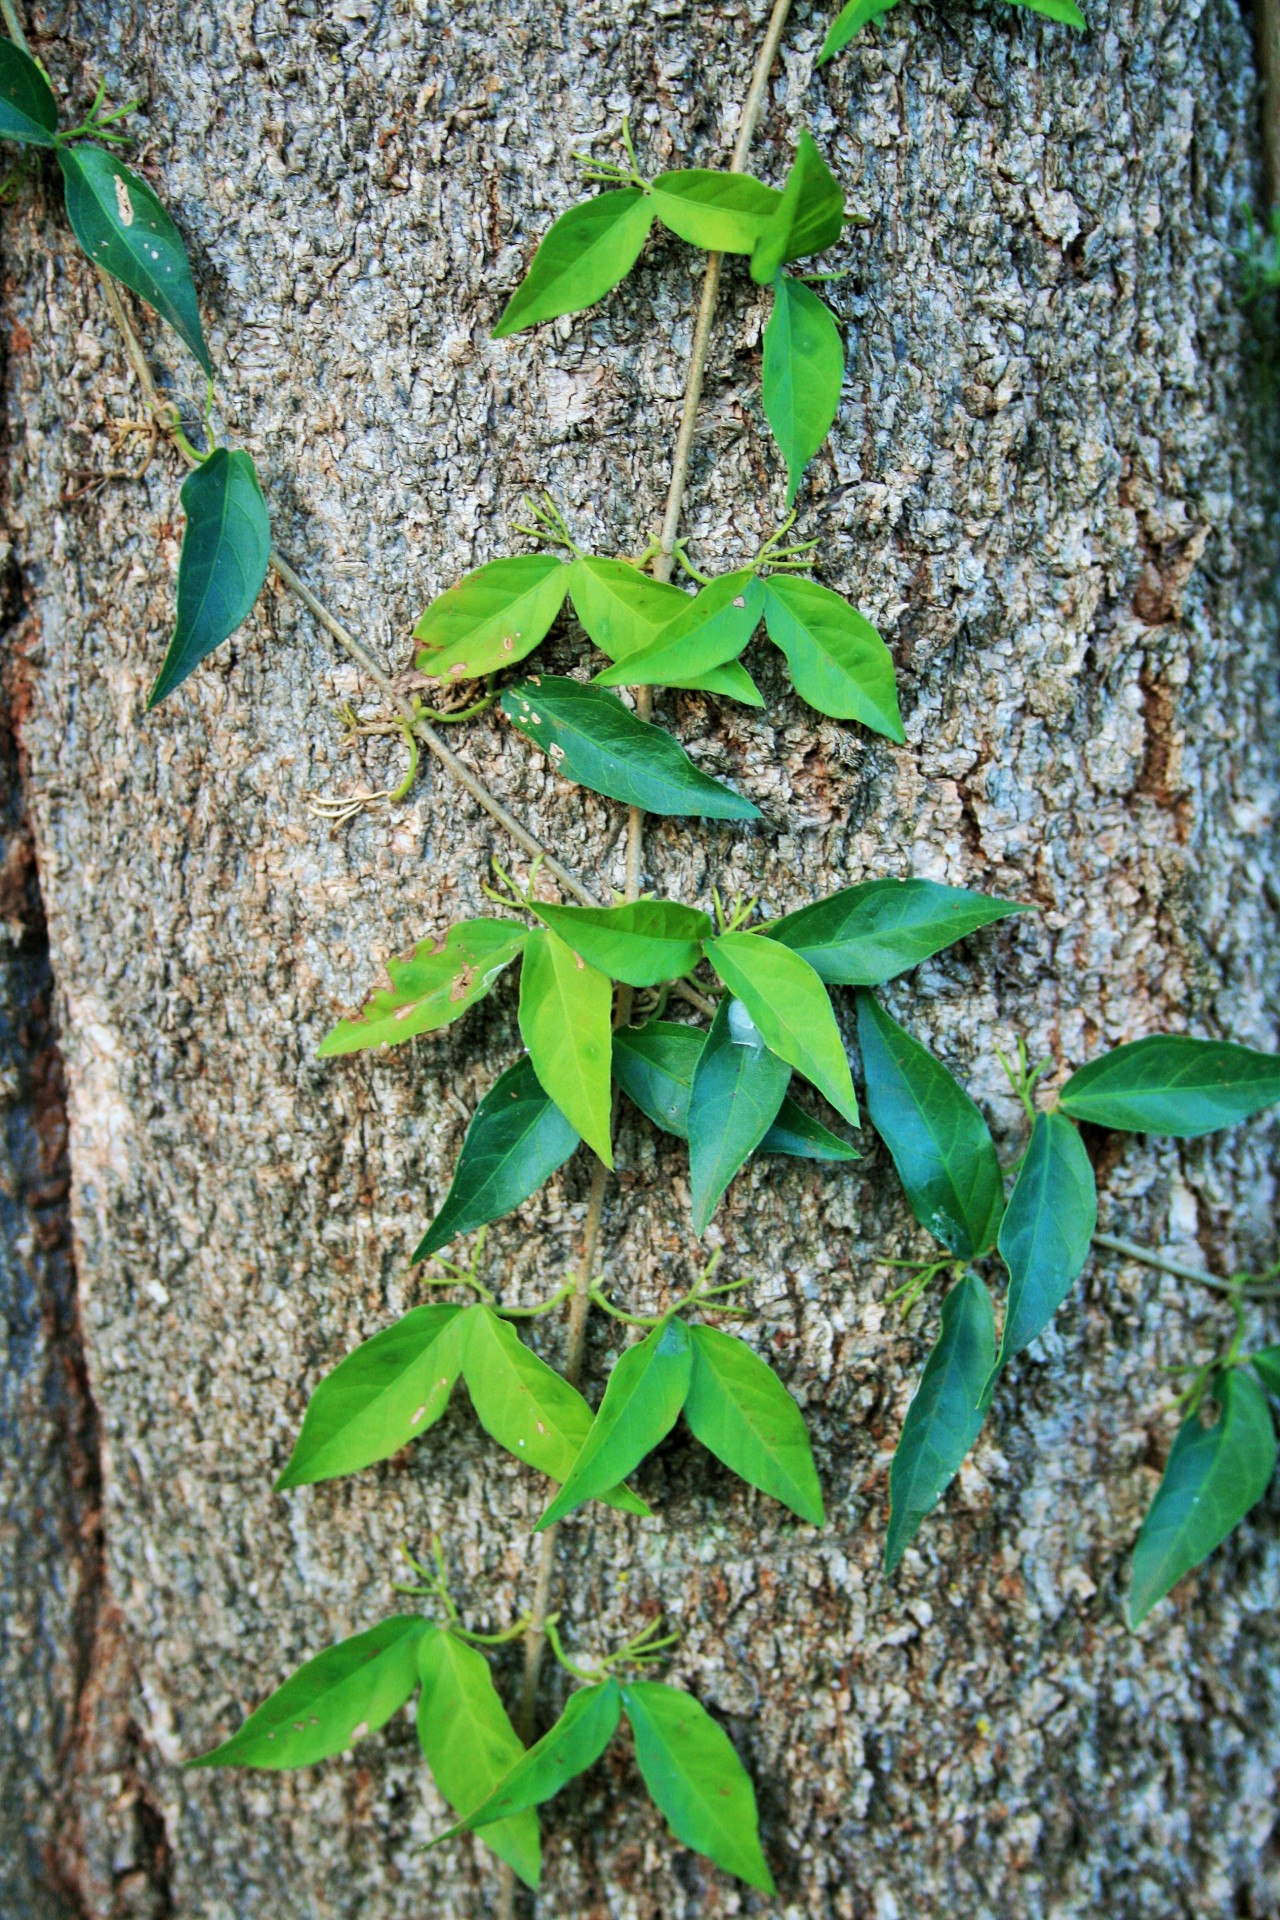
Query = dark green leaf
x=566 y=1021
x=641 y=1404
x=808 y=217
x=798 y=1134
x=226 y=546
x=654 y=1066
x=431 y=985
x=593 y=739
x=802 y=374
x=738 y=1088
x=334 y=1700
x=838 y=661
x=583 y=257
x=642 y=942
x=575 y=1743
x=790 y=1007
x=124 y=229
x=1046 y=1230
x=1172 y=1084
x=1213 y=1476
x=849 y=21
x=1064 y=11
x=940 y=1143
x=470 y=1745
x=384 y=1394
x=1266 y=1365
x=493 y=617
x=709 y=631
x=696 y=1779
x=866 y=934
x=946 y=1415
x=741 y=1412
x=722 y=212
x=517 y=1138
x=28 y=110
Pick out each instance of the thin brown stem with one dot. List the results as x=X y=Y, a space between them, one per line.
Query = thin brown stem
x=1181 y=1270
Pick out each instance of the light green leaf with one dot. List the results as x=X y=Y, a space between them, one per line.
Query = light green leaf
x=808 y=217
x=28 y=110
x=593 y=739
x=946 y=1415
x=738 y=1089
x=334 y=1700
x=643 y=942
x=517 y=1138
x=706 y=633
x=789 y=1005
x=575 y=1743
x=382 y=1396
x=1172 y=1084
x=431 y=986
x=721 y=212
x=849 y=21
x=1045 y=1234
x=525 y=1406
x=624 y=610
x=1266 y=1364
x=226 y=547
x=741 y=1412
x=493 y=617
x=838 y=661
x=803 y=372
x=583 y=257
x=696 y=1779
x=566 y=1010
x=1064 y=11
x=799 y=1135
x=866 y=934
x=1213 y=1476
x=124 y=229
x=654 y=1065
x=940 y=1143
x=641 y=1404
x=470 y=1744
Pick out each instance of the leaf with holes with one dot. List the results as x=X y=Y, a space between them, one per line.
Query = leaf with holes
x=642 y=942
x=575 y=1743
x=946 y=1415
x=28 y=110
x=492 y=618
x=790 y=1008
x=738 y=1089
x=226 y=548
x=431 y=986
x=654 y=1065
x=809 y=214
x=1172 y=1084
x=839 y=664
x=803 y=372
x=641 y=1404
x=720 y=212
x=696 y=1779
x=708 y=632
x=516 y=1140
x=470 y=1745
x=584 y=256
x=740 y=1411
x=866 y=934
x=566 y=1010
x=1046 y=1230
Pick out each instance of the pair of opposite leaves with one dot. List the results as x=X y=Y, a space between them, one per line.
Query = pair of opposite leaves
x=475 y=1755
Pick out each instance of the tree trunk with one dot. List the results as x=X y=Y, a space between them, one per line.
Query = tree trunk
x=1052 y=485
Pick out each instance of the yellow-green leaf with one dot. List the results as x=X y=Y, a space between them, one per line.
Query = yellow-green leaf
x=566 y=1010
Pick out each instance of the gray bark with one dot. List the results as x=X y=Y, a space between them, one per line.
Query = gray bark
x=1052 y=485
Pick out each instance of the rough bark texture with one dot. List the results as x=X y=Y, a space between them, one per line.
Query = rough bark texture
x=1052 y=485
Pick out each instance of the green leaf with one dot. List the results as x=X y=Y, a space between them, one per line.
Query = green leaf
x=566 y=1020
x=525 y=1406
x=738 y=1089
x=431 y=986
x=849 y=21
x=593 y=739
x=575 y=1743
x=382 y=1396
x=838 y=661
x=710 y=630
x=517 y=1138
x=641 y=1404
x=28 y=110
x=124 y=229
x=808 y=217
x=803 y=373
x=721 y=212
x=946 y=1415
x=939 y=1141
x=1064 y=11
x=226 y=547
x=741 y=1412
x=798 y=1134
x=583 y=257
x=696 y=1779
x=1172 y=1084
x=624 y=610
x=493 y=617
x=866 y=934
x=470 y=1744
x=643 y=942
x=346 y=1692
x=1266 y=1365
x=1045 y=1233
x=790 y=1007
x=1212 y=1478
x=654 y=1065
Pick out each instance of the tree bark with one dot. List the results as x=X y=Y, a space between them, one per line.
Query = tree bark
x=1052 y=485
